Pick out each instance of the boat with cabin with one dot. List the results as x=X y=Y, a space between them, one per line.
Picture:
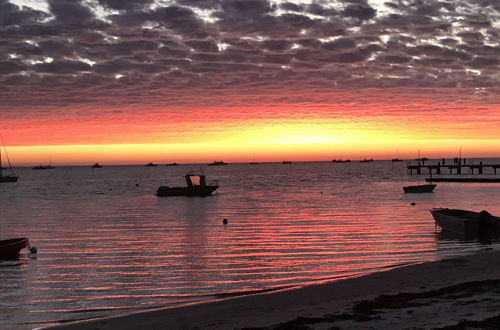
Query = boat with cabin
x=196 y=185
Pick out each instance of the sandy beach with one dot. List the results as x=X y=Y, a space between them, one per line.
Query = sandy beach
x=446 y=294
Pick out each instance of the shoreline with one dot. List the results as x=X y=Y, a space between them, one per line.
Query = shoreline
x=425 y=295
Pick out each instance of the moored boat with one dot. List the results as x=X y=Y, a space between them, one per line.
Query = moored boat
x=196 y=186
x=12 y=177
x=421 y=188
x=465 y=222
x=43 y=167
x=217 y=163
x=9 y=248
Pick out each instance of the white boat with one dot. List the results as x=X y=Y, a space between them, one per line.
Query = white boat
x=468 y=223
x=421 y=188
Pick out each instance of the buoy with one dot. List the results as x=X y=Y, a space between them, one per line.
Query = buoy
x=413 y=203
x=224 y=221
x=33 y=250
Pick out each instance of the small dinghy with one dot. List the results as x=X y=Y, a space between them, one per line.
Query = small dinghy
x=9 y=248
x=421 y=188
x=468 y=223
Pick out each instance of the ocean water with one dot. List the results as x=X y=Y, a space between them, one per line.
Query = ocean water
x=107 y=245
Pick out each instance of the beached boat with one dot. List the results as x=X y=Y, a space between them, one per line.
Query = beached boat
x=421 y=188
x=468 y=223
x=96 y=165
x=217 y=163
x=196 y=186
x=12 y=177
x=9 y=248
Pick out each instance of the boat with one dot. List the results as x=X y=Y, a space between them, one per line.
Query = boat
x=341 y=161
x=96 y=165
x=421 y=188
x=9 y=248
x=196 y=186
x=172 y=164
x=468 y=223
x=43 y=167
x=151 y=165
x=217 y=163
x=366 y=160
x=12 y=177
x=287 y=162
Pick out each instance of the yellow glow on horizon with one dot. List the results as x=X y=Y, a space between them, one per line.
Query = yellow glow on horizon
x=242 y=152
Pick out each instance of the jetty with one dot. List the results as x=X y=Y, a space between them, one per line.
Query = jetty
x=455 y=166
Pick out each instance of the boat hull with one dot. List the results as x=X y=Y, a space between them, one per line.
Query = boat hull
x=9 y=248
x=8 y=178
x=423 y=188
x=467 y=223
x=199 y=191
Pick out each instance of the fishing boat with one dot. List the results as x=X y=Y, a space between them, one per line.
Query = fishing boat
x=468 y=223
x=217 y=163
x=421 y=188
x=12 y=177
x=196 y=186
x=9 y=248
x=97 y=165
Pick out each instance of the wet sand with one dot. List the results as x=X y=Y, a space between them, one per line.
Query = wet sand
x=453 y=293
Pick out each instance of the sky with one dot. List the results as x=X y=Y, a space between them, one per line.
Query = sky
x=112 y=81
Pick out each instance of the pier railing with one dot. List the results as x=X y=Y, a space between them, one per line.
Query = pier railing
x=455 y=166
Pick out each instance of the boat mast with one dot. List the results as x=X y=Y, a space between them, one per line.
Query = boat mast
x=6 y=156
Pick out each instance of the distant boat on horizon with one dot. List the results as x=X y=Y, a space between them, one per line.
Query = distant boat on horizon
x=254 y=163
x=12 y=177
x=96 y=165
x=43 y=167
x=287 y=162
x=366 y=160
x=171 y=164
x=217 y=163
x=151 y=165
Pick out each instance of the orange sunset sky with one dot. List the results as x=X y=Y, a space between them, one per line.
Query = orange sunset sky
x=118 y=82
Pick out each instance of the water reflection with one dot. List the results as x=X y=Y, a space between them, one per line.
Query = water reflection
x=107 y=244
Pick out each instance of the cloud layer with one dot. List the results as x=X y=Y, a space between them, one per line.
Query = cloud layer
x=171 y=52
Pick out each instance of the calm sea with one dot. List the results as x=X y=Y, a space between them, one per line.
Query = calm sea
x=107 y=245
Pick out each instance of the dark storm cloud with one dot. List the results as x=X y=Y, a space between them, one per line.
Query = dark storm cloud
x=233 y=46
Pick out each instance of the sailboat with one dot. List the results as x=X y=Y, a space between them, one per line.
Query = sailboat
x=12 y=177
